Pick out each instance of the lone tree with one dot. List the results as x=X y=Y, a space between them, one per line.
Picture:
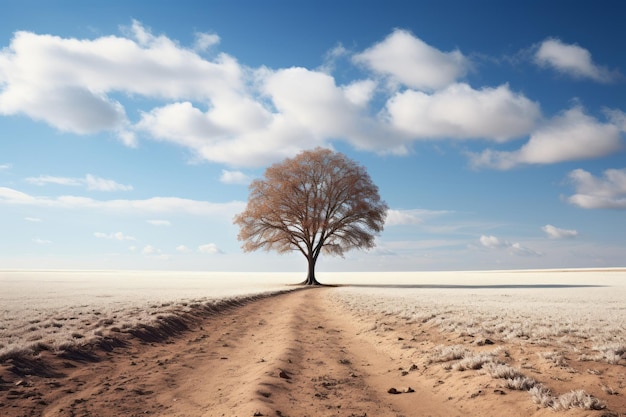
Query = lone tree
x=317 y=201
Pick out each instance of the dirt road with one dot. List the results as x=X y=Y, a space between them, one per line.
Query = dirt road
x=296 y=354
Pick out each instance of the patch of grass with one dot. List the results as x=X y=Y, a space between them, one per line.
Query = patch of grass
x=578 y=399
x=448 y=353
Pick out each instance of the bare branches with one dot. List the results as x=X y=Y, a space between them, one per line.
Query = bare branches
x=317 y=200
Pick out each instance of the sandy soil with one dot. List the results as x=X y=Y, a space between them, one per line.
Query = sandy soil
x=296 y=354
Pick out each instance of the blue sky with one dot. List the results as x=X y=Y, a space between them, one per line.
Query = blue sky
x=494 y=130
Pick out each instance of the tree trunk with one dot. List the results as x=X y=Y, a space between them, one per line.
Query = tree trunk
x=310 y=279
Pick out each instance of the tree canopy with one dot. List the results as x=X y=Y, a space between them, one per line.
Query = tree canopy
x=318 y=201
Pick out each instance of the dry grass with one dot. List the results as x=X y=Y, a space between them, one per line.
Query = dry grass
x=61 y=311
x=585 y=322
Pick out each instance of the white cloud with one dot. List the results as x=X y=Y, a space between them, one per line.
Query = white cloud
x=331 y=57
x=67 y=82
x=313 y=103
x=91 y=182
x=360 y=92
x=101 y=184
x=554 y=232
x=492 y=242
x=210 y=248
x=570 y=136
x=114 y=236
x=572 y=60
x=159 y=222
x=227 y=113
x=182 y=249
x=5 y=167
x=410 y=61
x=410 y=217
x=514 y=248
x=234 y=177
x=608 y=192
x=151 y=205
x=205 y=41
x=461 y=112
x=33 y=219
x=307 y=110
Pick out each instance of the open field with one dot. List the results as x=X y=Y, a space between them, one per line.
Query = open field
x=518 y=328
x=67 y=308
x=526 y=343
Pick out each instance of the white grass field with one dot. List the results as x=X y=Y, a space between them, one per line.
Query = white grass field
x=54 y=309
x=60 y=307
x=573 y=322
x=537 y=305
x=559 y=335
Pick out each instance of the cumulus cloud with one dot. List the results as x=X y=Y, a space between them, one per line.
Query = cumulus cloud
x=91 y=182
x=554 y=232
x=68 y=83
x=227 y=113
x=606 y=192
x=210 y=248
x=234 y=177
x=459 y=111
x=572 y=60
x=514 y=248
x=114 y=236
x=572 y=135
x=308 y=109
x=5 y=167
x=151 y=205
x=314 y=103
x=412 y=62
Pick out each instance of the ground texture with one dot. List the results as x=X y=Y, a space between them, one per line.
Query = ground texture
x=295 y=354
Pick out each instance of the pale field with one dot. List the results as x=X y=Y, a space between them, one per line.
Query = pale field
x=565 y=316
x=568 y=306
x=60 y=308
x=57 y=308
x=545 y=326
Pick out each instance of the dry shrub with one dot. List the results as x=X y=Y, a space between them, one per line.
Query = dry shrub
x=476 y=361
x=501 y=371
x=555 y=357
x=541 y=395
x=578 y=399
x=520 y=383
x=574 y=399
x=448 y=353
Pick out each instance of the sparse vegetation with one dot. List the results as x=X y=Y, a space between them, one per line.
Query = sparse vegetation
x=570 y=324
x=63 y=316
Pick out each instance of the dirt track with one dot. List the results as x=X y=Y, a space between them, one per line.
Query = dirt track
x=296 y=354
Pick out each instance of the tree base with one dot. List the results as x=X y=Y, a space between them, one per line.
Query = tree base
x=311 y=282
